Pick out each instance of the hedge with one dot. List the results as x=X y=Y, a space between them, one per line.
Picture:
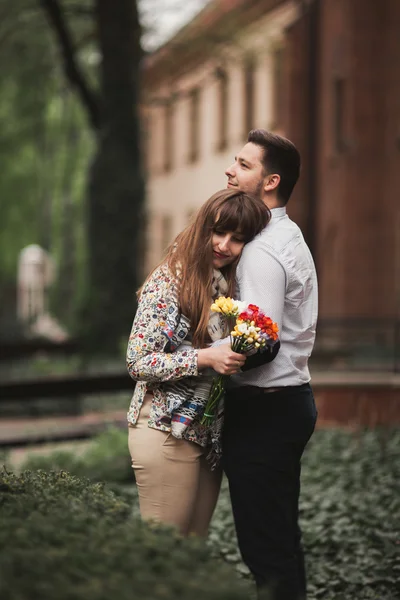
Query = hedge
x=350 y=516
x=349 y=508
x=66 y=538
x=105 y=459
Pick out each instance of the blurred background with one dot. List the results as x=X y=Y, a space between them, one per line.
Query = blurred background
x=118 y=120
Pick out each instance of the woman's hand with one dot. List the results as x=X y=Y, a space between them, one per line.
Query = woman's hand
x=220 y=358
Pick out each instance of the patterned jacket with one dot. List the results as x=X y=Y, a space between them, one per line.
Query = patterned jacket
x=158 y=357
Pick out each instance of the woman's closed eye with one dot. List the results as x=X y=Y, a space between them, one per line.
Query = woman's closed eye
x=234 y=237
x=238 y=239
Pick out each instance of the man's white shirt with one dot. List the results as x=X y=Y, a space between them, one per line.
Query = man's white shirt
x=277 y=273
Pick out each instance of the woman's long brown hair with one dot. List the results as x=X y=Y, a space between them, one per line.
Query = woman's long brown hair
x=190 y=256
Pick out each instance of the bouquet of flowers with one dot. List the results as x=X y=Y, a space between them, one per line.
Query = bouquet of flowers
x=253 y=332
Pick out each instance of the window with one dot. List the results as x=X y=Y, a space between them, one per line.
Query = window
x=168 y=135
x=277 y=87
x=249 y=94
x=166 y=232
x=194 y=125
x=339 y=114
x=222 y=78
x=146 y=124
x=141 y=247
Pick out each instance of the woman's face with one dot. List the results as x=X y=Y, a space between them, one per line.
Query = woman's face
x=227 y=246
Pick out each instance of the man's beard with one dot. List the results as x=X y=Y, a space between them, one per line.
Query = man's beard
x=259 y=189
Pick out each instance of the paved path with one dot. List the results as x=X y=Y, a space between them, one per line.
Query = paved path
x=41 y=429
x=354 y=378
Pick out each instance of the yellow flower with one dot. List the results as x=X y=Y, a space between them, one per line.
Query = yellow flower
x=215 y=308
x=223 y=305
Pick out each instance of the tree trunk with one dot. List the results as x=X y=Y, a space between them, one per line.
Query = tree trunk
x=116 y=190
x=66 y=290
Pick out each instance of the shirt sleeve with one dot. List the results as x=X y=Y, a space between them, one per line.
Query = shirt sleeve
x=146 y=359
x=262 y=281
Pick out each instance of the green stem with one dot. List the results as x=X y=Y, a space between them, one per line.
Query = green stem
x=217 y=390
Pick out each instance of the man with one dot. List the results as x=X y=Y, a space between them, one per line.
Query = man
x=270 y=413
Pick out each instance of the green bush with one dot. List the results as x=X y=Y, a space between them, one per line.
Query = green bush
x=106 y=459
x=63 y=537
x=350 y=516
x=349 y=509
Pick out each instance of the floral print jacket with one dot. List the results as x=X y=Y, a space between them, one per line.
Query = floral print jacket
x=155 y=354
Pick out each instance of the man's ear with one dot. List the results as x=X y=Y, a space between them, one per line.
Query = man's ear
x=271 y=182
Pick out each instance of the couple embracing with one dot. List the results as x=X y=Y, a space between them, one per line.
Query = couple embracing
x=242 y=245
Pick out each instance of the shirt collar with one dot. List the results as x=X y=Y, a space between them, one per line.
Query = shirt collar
x=278 y=212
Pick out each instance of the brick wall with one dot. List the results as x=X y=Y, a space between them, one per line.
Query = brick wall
x=357 y=406
x=343 y=111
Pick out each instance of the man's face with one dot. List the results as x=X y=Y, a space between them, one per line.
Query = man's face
x=247 y=172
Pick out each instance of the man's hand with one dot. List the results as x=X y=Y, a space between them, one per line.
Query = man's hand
x=221 y=358
x=258 y=359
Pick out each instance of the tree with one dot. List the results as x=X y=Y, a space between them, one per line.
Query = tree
x=33 y=150
x=68 y=95
x=115 y=186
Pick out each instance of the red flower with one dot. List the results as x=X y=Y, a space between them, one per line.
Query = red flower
x=247 y=316
x=264 y=322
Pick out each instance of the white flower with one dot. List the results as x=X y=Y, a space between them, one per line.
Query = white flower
x=241 y=306
x=243 y=328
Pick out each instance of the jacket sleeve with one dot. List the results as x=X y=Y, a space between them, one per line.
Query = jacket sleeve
x=261 y=358
x=147 y=358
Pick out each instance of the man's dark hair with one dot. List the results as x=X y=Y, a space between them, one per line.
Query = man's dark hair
x=279 y=156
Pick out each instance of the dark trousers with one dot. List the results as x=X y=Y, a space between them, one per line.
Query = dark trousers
x=263 y=440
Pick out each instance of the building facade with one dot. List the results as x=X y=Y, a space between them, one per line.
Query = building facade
x=200 y=105
x=346 y=122
x=324 y=73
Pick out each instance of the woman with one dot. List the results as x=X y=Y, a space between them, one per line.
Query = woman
x=170 y=356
